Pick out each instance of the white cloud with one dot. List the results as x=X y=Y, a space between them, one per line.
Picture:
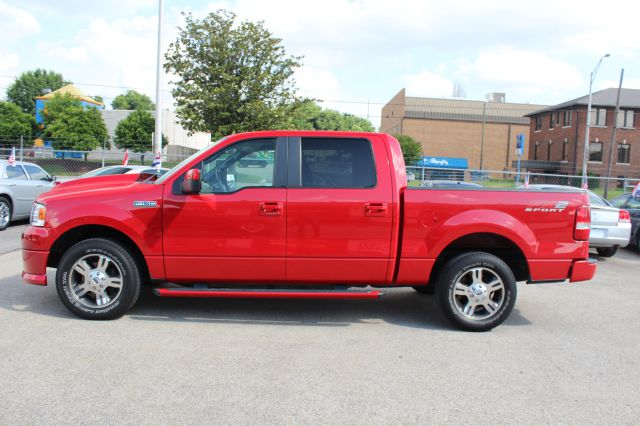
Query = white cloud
x=8 y=62
x=16 y=22
x=428 y=84
x=319 y=84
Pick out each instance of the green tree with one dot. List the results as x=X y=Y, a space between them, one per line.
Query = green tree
x=24 y=90
x=411 y=149
x=134 y=101
x=233 y=77
x=134 y=133
x=13 y=122
x=307 y=115
x=72 y=126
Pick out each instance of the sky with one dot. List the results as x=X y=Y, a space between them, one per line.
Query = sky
x=357 y=54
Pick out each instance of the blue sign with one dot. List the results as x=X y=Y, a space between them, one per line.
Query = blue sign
x=519 y=144
x=443 y=162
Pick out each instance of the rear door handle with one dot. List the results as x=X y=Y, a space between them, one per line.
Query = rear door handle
x=269 y=208
x=375 y=209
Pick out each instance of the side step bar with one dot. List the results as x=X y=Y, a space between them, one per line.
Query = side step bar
x=267 y=294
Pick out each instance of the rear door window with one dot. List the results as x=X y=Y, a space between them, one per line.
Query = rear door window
x=337 y=163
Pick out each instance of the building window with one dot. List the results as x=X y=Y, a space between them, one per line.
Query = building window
x=624 y=151
x=538 y=122
x=599 y=117
x=551 y=121
x=625 y=119
x=549 y=150
x=535 y=151
x=565 y=150
x=595 y=151
x=566 y=119
x=557 y=118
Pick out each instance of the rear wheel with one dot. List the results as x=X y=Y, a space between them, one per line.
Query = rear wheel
x=476 y=291
x=5 y=213
x=607 y=251
x=98 y=279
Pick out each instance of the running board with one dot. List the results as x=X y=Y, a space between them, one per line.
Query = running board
x=267 y=294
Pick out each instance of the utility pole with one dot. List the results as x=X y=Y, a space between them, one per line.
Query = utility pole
x=484 y=119
x=585 y=156
x=613 y=135
x=157 y=140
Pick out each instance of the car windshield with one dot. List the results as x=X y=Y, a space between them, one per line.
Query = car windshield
x=180 y=165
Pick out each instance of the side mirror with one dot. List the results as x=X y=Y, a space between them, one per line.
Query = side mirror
x=191 y=183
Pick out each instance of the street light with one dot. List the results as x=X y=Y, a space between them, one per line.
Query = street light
x=585 y=158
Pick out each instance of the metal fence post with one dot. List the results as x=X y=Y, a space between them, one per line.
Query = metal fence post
x=21 y=148
x=104 y=144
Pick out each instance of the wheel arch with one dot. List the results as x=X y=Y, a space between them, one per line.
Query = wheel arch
x=84 y=232
x=498 y=245
x=7 y=195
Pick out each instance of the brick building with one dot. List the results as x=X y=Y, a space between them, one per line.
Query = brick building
x=557 y=135
x=456 y=127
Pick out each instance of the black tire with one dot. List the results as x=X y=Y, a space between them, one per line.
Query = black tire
x=5 y=205
x=607 y=251
x=425 y=289
x=458 y=271
x=120 y=264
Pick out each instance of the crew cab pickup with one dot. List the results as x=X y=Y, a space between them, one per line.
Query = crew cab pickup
x=326 y=215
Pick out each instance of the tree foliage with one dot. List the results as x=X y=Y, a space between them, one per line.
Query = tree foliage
x=72 y=126
x=135 y=132
x=134 y=101
x=234 y=77
x=13 y=122
x=411 y=149
x=31 y=84
x=307 y=115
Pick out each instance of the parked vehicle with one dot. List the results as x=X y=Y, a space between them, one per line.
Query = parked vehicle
x=610 y=226
x=332 y=211
x=121 y=170
x=20 y=185
x=631 y=204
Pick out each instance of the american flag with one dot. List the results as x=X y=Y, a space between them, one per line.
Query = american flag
x=636 y=191
x=125 y=161
x=527 y=176
x=158 y=161
x=12 y=157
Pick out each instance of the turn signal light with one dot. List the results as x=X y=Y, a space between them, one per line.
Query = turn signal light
x=583 y=224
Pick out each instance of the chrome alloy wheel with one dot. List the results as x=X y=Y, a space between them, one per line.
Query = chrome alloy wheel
x=5 y=214
x=478 y=293
x=96 y=281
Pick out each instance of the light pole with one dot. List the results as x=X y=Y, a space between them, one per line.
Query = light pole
x=157 y=142
x=585 y=157
x=484 y=120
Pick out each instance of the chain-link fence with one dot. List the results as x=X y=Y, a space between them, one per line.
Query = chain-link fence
x=58 y=159
x=435 y=177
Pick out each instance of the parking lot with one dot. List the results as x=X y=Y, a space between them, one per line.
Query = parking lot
x=568 y=354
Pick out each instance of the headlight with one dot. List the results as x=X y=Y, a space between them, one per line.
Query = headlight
x=38 y=214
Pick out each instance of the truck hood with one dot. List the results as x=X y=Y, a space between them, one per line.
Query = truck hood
x=83 y=185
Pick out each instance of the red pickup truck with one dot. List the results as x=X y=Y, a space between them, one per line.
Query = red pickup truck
x=297 y=214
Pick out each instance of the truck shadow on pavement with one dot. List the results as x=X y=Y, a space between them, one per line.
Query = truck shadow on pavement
x=402 y=307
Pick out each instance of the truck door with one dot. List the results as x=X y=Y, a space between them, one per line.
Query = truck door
x=339 y=210
x=235 y=229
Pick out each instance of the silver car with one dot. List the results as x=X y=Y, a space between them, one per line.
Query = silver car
x=610 y=228
x=20 y=185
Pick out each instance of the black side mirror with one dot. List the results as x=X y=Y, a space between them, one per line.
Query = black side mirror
x=192 y=184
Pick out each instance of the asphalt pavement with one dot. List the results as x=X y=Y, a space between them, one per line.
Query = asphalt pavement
x=568 y=354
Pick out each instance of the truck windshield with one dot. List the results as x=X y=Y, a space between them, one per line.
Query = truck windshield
x=180 y=165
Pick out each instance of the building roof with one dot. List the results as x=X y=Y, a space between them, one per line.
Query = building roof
x=72 y=90
x=468 y=110
x=629 y=98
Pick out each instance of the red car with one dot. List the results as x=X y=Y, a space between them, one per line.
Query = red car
x=328 y=216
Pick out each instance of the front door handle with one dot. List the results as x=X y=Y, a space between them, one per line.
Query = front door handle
x=375 y=209
x=269 y=208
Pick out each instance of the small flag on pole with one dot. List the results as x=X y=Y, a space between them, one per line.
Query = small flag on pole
x=12 y=156
x=585 y=185
x=158 y=161
x=636 y=191
x=125 y=161
x=526 y=179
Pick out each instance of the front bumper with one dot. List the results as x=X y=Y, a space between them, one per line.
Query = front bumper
x=583 y=270
x=34 y=265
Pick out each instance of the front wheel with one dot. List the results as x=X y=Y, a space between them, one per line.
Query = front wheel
x=476 y=291
x=98 y=279
x=5 y=213
x=607 y=251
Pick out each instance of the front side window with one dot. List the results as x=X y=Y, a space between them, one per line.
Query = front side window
x=337 y=163
x=14 y=172
x=595 y=152
x=241 y=165
x=36 y=173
